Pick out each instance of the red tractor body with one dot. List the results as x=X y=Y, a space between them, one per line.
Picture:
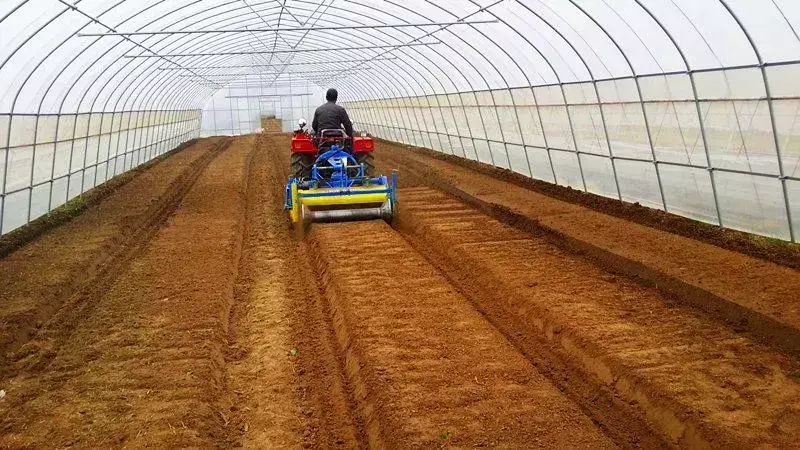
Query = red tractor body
x=305 y=143
x=305 y=149
x=363 y=144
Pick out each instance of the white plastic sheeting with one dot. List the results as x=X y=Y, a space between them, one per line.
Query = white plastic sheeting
x=685 y=105
x=238 y=108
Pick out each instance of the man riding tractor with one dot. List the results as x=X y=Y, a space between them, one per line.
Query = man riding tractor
x=331 y=116
x=331 y=126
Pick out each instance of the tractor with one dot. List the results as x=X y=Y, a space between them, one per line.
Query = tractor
x=306 y=148
x=332 y=179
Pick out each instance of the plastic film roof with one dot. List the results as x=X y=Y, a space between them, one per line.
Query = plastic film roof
x=60 y=56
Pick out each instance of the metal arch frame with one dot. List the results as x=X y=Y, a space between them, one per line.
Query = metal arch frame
x=148 y=78
x=700 y=118
x=696 y=102
x=635 y=76
x=91 y=108
x=142 y=91
x=472 y=89
x=776 y=139
x=43 y=97
x=538 y=112
x=555 y=73
x=102 y=117
x=150 y=73
x=566 y=110
x=486 y=9
x=627 y=158
x=417 y=98
x=280 y=29
x=508 y=88
x=391 y=74
x=3 y=191
x=511 y=95
x=481 y=76
x=596 y=93
x=245 y=74
x=60 y=112
x=444 y=59
x=228 y=18
x=427 y=81
x=398 y=110
x=480 y=116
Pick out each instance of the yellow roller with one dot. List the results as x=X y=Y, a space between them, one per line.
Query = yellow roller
x=336 y=204
x=335 y=195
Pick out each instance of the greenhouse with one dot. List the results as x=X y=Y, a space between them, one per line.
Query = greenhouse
x=590 y=208
x=689 y=107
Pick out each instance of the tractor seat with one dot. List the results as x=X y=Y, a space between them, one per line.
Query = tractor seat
x=327 y=138
x=332 y=133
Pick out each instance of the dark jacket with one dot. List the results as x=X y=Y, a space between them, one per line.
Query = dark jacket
x=331 y=116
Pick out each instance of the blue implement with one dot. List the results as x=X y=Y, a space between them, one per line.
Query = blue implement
x=338 y=190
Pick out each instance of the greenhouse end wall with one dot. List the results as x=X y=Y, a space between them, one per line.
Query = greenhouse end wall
x=46 y=160
x=702 y=145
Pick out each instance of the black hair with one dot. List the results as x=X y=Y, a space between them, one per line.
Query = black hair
x=332 y=95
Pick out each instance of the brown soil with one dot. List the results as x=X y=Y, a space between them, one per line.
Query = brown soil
x=286 y=387
x=182 y=311
x=740 y=290
x=140 y=360
x=37 y=279
x=614 y=418
x=699 y=382
x=426 y=367
x=204 y=331
x=271 y=125
x=768 y=249
x=77 y=206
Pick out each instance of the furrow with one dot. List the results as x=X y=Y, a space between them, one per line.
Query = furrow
x=425 y=367
x=698 y=382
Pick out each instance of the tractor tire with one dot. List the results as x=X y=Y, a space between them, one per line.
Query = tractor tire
x=301 y=165
x=369 y=163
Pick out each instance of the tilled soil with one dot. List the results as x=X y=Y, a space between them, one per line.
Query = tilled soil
x=139 y=359
x=74 y=258
x=768 y=249
x=200 y=319
x=697 y=381
x=754 y=296
x=426 y=367
x=285 y=385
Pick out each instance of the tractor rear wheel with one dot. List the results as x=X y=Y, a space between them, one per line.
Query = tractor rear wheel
x=301 y=165
x=369 y=163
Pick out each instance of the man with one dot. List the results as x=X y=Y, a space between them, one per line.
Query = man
x=331 y=116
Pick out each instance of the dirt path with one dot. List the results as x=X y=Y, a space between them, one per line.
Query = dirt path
x=286 y=388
